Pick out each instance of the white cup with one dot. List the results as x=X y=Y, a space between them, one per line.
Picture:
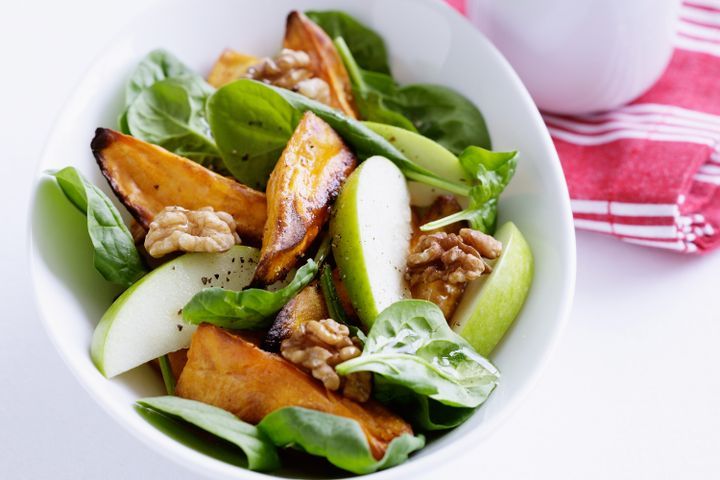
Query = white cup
x=581 y=56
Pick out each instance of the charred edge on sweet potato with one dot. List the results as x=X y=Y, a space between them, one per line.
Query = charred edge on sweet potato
x=301 y=33
x=227 y=371
x=305 y=181
x=307 y=305
x=147 y=178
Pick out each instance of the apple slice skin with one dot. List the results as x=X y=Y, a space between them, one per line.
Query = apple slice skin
x=491 y=303
x=425 y=153
x=372 y=276
x=145 y=322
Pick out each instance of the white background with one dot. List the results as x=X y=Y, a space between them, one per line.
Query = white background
x=633 y=390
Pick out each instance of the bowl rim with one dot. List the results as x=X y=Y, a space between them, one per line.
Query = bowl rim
x=211 y=467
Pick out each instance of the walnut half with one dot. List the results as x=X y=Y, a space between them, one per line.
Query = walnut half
x=441 y=264
x=318 y=346
x=291 y=69
x=178 y=229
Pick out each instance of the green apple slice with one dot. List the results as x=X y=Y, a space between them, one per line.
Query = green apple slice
x=371 y=230
x=491 y=303
x=145 y=322
x=426 y=153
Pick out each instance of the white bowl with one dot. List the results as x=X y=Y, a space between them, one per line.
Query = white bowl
x=428 y=42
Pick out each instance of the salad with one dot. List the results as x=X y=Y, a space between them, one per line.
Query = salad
x=313 y=262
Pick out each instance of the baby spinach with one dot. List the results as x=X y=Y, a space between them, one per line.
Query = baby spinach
x=157 y=65
x=165 y=103
x=115 y=254
x=248 y=309
x=423 y=412
x=261 y=453
x=411 y=345
x=341 y=440
x=492 y=171
x=171 y=113
x=442 y=114
x=167 y=374
x=251 y=124
x=366 y=45
x=437 y=112
x=194 y=437
x=368 y=98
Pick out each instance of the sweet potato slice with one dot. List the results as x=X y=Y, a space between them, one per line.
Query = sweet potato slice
x=301 y=33
x=303 y=184
x=229 y=372
x=307 y=305
x=230 y=66
x=147 y=178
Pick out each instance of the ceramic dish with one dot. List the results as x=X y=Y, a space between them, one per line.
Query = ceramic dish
x=428 y=42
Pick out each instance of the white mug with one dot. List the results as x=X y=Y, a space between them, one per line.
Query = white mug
x=581 y=56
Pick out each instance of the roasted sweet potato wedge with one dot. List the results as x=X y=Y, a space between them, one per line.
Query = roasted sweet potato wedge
x=442 y=294
x=230 y=66
x=229 y=372
x=307 y=305
x=301 y=33
x=305 y=181
x=147 y=178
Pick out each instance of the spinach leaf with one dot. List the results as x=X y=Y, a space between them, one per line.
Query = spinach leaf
x=194 y=437
x=261 y=453
x=167 y=374
x=251 y=124
x=441 y=114
x=254 y=121
x=339 y=439
x=248 y=309
x=115 y=257
x=411 y=345
x=366 y=45
x=369 y=95
x=157 y=65
x=165 y=103
x=437 y=112
x=171 y=113
x=492 y=172
x=423 y=412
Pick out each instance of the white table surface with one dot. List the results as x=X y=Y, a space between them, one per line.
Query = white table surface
x=632 y=392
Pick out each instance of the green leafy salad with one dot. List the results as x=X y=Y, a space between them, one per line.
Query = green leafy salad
x=313 y=261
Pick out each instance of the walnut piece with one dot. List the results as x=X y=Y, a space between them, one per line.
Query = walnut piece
x=178 y=229
x=441 y=264
x=318 y=346
x=291 y=69
x=486 y=245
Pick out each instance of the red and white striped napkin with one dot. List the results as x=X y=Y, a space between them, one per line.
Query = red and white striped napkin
x=649 y=172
